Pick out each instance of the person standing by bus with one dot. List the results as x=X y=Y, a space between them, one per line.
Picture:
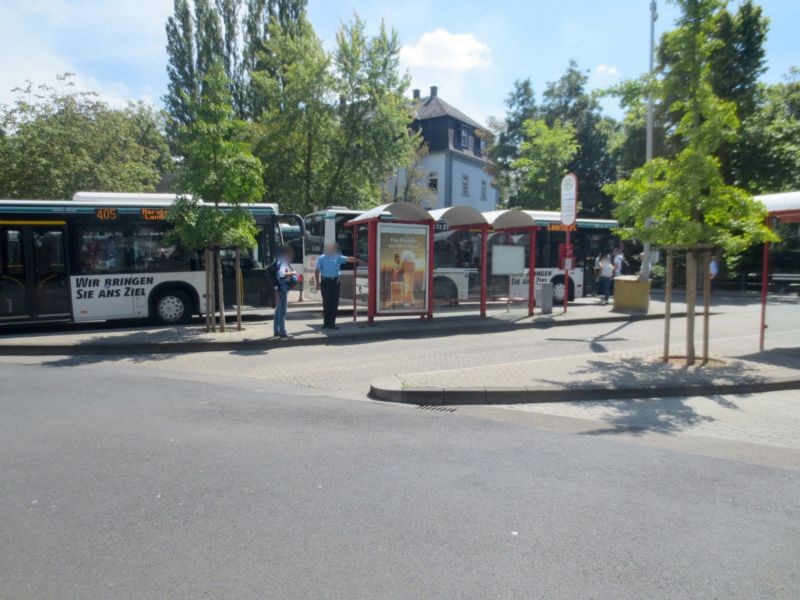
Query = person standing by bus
x=605 y=268
x=284 y=275
x=326 y=277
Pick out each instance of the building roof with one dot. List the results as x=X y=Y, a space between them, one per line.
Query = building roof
x=433 y=107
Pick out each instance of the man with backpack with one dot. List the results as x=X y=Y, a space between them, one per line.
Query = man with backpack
x=283 y=279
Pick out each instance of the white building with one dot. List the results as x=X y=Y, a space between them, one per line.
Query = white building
x=456 y=167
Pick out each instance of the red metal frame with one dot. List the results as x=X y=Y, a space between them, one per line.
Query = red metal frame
x=764 y=288
x=431 y=227
x=372 y=267
x=532 y=273
x=484 y=267
x=355 y=270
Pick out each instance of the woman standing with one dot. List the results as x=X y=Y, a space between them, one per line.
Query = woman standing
x=605 y=267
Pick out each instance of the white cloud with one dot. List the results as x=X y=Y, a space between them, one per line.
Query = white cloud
x=606 y=71
x=112 y=47
x=442 y=50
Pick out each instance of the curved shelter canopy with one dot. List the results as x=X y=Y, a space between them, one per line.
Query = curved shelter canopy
x=784 y=206
x=402 y=211
x=509 y=219
x=459 y=216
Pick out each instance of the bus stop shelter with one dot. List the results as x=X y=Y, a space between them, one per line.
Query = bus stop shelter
x=467 y=218
x=517 y=221
x=397 y=213
x=783 y=208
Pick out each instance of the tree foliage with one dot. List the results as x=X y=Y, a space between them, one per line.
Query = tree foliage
x=327 y=127
x=218 y=167
x=545 y=153
x=565 y=101
x=686 y=197
x=54 y=143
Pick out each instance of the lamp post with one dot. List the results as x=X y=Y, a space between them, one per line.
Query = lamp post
x=644 y=275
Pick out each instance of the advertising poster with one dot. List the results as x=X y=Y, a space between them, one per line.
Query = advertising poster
x=402 y=268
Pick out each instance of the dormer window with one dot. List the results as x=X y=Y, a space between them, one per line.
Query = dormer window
x=464 y=137
x=477 y=146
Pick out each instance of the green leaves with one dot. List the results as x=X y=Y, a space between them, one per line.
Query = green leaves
x=57 y=143
x=684 y=201
x=218 y=165
x=545 y=153
x=197 y=225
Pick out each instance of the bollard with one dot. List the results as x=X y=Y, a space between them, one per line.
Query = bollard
x=544 y=298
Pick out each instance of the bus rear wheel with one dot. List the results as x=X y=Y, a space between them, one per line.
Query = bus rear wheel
x=172 y=307
x=445 y=290
x=558 y=289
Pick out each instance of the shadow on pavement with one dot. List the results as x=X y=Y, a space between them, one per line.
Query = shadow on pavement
x=779 y=357
x=595 y=343
x=665 y=415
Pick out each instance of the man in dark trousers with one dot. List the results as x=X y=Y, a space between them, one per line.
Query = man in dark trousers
x=326 y=275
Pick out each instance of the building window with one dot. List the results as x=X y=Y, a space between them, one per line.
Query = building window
x=433 y=181
x=483 y=191
x=477 y=145
x=464 y=137
x=465 y=185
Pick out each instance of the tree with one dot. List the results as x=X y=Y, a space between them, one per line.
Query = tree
x=508 y=136
x=768 y=153
x=411 y=184
x=545 y=153
x=218 y=167
x=56 y=143
x=194 y=43
x=686 y=197
x=264 y=21
x=568 y=101
x=292 y=134
x=372 y=116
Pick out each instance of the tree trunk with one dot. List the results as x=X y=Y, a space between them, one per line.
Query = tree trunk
x=668 y=304
x=212 y=292
x=220 y=292
x=706 y=301
x=239 y=289
x=207 y=263
x=691 y=301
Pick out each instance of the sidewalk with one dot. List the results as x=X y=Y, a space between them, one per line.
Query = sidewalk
x=304 y=323
x=593 y=377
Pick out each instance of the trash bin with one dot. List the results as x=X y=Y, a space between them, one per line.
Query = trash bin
x=544 y=298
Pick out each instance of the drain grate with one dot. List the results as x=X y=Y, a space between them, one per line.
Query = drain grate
x=437 y=408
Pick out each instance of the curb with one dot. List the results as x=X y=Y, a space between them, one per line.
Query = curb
x=313 y=339
x=392 y=390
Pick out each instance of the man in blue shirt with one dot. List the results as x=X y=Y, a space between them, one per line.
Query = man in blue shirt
x=326 y=276
x=284 y=276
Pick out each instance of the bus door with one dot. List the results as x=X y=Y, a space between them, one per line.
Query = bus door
x=33 y=272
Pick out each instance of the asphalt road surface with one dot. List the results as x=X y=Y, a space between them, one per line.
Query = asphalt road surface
x=118 y=483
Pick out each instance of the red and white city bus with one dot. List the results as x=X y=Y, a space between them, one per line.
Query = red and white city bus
x=102 y=256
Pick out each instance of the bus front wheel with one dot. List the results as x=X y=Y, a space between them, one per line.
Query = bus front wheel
x=172 y=307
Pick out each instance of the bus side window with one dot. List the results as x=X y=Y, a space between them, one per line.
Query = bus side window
x=105 y=250
x=151 y=255
x=315 y=234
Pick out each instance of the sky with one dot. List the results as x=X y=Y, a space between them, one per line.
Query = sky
x=472 y=50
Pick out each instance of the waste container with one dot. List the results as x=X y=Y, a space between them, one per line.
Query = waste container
x=544 y=298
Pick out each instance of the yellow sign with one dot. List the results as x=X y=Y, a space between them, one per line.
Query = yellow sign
x=106 y=214
x=154 y=214
x=403 y=268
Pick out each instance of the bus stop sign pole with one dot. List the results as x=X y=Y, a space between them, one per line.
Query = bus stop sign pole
x=569 y=209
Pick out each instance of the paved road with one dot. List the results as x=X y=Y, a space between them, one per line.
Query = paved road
x=118 y=484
